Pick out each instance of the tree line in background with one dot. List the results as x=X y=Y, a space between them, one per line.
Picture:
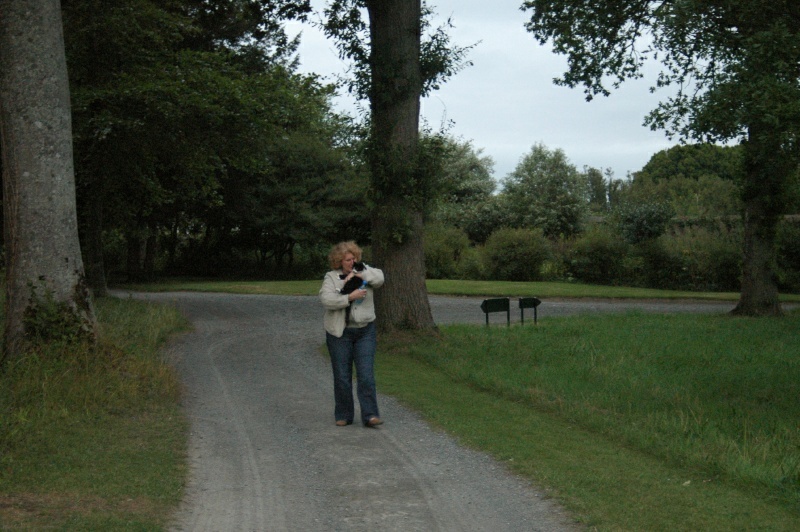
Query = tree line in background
x=675 y=224
x=200 y=153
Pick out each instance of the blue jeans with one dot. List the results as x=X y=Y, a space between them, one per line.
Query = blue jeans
x=356 y=346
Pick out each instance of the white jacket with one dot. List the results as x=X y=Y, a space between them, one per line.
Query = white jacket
x=361 y=313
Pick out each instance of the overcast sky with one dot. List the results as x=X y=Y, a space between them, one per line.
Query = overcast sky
x=506 y=102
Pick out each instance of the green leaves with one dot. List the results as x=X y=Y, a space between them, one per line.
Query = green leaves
x=546 y=191
x=732 y=63
x=440 y=58
x=644 y=221
x=602 y=40
x=734 y=68
x=188 y=111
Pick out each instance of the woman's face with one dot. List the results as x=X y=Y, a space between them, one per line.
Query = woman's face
x=347 y=263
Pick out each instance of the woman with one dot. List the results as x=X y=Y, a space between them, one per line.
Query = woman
x=350 y=333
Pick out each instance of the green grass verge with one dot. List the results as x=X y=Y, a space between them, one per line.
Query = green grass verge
x=448 y=287
x=92 y=438
x=634 y=422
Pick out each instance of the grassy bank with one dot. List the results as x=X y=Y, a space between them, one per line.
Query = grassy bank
x=635 y=422
x=92 y=438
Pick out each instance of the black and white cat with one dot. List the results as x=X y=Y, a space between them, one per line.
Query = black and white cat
x=355 y=282
x=352 y=285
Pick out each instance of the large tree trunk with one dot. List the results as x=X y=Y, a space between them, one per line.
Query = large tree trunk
x=43 y=259
x=759 y=295
x=394 y=96
x=767 y=171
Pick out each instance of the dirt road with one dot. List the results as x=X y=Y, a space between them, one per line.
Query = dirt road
x=265 y=454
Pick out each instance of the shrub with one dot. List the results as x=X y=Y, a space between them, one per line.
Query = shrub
x=641 y=222
x=598 y=257
x=633 y=269
x=660 y=268
x=471 y=265
x=710 y=257
x=556 y=268
x=444 y=248
x=516 y=254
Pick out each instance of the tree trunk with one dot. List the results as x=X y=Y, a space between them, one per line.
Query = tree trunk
x=759 y=295
x=402 y=302
x=394 y=94
x=43 y=258
x=767 y=170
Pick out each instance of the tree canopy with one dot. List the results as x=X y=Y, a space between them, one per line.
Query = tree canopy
x=465 y=191
x=193 y=131
x=439 y=57
x=697 y=180
x=466 y=173
x=734 y=70
x=695 y=161
x=732 y=63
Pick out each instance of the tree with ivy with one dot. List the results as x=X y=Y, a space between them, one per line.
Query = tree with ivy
x=46 y=293
x=393 y=66
x=734 y=67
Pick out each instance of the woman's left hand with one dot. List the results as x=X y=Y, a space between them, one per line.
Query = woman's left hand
x=361 y=293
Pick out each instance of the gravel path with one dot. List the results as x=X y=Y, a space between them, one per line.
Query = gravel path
x=265 y=454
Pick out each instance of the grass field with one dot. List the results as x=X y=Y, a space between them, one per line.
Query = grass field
x=92 y=438
x=633 y=422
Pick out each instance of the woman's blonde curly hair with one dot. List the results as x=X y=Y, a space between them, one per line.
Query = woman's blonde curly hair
x=338 y=251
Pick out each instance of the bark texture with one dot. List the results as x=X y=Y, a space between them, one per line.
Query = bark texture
x=759 y=296
x=395 y=91
x=767 y=171
x=40 y=221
